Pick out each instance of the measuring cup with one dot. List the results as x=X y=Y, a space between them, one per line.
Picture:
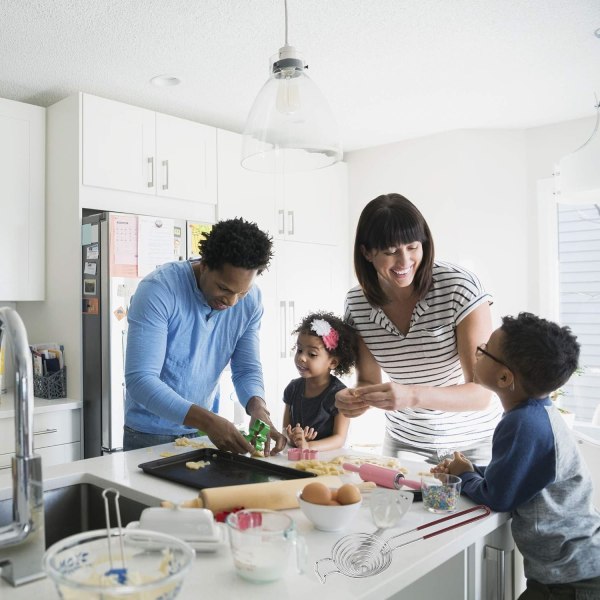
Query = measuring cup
x=262 y=542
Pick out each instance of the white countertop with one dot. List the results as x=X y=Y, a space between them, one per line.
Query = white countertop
x=213 y=573
x=40 y=405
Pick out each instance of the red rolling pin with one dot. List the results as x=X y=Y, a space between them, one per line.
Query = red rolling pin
x=381 y=476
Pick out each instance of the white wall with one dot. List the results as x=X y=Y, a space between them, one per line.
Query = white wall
x=478 y=191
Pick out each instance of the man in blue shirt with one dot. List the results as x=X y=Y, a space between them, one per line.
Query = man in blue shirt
x=187 y=321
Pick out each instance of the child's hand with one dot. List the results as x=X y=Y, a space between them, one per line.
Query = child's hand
x=457 y=465
x=301 y=436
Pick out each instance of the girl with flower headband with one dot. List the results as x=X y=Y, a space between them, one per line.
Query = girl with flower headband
x=325 y=344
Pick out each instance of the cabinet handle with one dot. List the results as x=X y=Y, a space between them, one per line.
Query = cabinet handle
x=282 y=328
x=45 y=431
x=4 y=468
x=151 y=170
x=495 y=571
x=291 y=220
x=292 y=306
x=281 y=221
x=166 y=166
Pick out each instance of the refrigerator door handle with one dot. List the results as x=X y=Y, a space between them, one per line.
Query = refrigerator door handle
x=151 y=171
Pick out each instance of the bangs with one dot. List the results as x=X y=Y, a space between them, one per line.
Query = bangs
x=389 y=230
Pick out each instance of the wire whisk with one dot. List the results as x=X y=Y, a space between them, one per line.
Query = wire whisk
x=119 y=573
x=365 y=554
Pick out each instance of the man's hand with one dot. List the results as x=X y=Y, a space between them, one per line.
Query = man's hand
x=221 y=432
x=257 y=409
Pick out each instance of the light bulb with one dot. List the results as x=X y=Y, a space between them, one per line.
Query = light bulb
x=288 y=93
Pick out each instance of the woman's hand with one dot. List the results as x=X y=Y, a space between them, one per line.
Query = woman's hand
x=386 y=396
x=349 y=404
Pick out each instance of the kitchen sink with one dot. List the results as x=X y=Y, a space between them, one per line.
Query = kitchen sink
x=78 y=507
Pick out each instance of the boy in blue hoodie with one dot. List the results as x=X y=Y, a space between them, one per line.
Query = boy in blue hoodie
x=536 y=471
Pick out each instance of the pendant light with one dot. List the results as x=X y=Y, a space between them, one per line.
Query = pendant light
x=577 y=175
x=290 y=126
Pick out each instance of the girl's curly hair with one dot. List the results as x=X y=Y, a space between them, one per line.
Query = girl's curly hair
x=346 y=351
x=236 y=242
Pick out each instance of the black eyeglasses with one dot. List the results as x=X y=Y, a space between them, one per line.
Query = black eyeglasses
x=481 y=350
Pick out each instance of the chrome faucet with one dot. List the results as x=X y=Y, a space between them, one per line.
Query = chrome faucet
x=22 y=542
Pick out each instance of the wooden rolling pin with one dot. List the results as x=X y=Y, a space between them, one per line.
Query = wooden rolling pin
x=274 y=495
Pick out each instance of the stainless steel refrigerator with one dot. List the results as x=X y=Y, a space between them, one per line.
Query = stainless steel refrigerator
x=118 y=250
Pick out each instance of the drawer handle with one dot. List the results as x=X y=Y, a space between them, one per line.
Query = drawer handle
x=4 y=468
x=45 y=431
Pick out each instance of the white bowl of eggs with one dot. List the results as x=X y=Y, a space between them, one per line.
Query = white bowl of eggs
x=329 y=509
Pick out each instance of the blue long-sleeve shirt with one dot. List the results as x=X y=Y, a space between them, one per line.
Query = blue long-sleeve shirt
x=537 y=473
x=177 y=348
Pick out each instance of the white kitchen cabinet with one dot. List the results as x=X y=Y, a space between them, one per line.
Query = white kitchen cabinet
x=22 y=173
x=300 y=207
x=56 y=437
x=243 y=193
x=136 y=150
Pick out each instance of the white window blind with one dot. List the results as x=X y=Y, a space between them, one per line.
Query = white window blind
x=579 y=301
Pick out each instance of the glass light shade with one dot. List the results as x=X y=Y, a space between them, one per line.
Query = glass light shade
x=290 y=126
x=577 y=176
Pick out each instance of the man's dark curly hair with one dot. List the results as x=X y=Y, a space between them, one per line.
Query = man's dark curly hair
x=237 y=242
x=542 y=354
x=346 y=351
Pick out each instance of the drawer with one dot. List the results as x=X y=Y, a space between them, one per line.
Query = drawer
x=49 y=429
x=52 y=455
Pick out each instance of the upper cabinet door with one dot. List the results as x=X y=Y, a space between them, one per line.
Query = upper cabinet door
x=118 y=146
x=309 y=205
x=186 y=159
x=22 y=172
x=243 y=193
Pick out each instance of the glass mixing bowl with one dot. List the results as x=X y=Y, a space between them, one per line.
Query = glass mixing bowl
x=86 y=567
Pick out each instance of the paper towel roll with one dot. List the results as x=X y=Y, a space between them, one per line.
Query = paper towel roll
x=274 y=495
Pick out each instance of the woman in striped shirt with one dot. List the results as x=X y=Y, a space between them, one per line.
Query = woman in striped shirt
x=420 y=321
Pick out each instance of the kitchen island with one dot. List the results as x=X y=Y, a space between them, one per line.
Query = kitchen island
x=454 y=564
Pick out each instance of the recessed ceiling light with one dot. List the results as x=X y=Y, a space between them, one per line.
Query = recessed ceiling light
x=165 y=81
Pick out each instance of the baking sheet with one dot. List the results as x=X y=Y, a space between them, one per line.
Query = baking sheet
x=223 y=469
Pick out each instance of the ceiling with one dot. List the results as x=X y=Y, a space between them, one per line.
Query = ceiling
x=390 y=69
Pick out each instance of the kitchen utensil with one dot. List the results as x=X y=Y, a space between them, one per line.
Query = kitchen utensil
x=261 y=544
x=381 y=476
x=223 y=468
x=387 y=508
x=326 y=517
x=275 y=495
x=363 y=554
x=196 y=526
x=119 y=573
x=441 y=492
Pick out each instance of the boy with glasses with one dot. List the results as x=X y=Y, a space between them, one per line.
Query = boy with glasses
x=536 y=471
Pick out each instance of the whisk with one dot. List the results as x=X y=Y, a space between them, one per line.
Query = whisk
x=365 y=554
x=119 y=573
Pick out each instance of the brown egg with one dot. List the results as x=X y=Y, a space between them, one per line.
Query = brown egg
x=317 y=493
x=333 y=503
x=348 y=494
x=334 y=495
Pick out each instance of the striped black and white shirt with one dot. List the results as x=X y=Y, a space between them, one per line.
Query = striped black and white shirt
x=427 y=355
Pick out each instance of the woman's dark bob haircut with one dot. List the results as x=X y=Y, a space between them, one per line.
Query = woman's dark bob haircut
x=391 y=220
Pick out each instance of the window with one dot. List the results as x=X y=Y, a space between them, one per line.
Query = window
x=579 y=301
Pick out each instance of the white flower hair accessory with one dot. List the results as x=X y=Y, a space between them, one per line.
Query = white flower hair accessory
x=326 y=332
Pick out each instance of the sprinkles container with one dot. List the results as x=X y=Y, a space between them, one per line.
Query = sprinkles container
x=440 y=492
